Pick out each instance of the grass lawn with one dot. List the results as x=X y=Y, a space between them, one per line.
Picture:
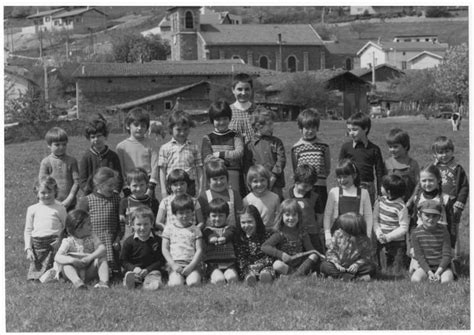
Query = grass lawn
x=303 y=304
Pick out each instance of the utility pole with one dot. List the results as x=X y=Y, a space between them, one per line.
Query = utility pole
x=281 y=52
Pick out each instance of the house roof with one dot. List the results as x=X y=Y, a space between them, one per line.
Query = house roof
x=163 y=68
x=245 y=34
x=425 y=53
x=45 y=13
x=157 y=96
x=347 y=47
x=76 y=12
x=406 y=46
x=365 y=70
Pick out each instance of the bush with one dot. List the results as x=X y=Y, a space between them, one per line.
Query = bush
x=437 y=12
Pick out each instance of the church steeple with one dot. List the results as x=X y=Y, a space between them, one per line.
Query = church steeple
x=185 y=25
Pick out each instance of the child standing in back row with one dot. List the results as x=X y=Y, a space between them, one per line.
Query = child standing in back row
x=137 y=150
x=267 y=150
x=62 y=167
x=312 y=151
x=365 y=154
x=180 y=153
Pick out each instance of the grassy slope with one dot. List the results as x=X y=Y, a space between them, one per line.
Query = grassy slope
x=304 y=304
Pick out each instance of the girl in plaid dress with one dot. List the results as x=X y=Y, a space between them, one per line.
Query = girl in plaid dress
x=103 y=208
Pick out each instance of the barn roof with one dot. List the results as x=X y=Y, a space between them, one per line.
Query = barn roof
x=76 y=12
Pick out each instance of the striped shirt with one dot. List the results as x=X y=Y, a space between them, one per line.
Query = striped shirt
x=391 y=218
x=313 y=153
x=432 y=247
x=174 y=155
x=229 y=145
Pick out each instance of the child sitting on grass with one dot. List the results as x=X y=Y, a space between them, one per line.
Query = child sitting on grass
x=253 y=263
x=182 y=244
x=432 y=247
x=349 y=257
x=82 y=256
x=141 y=255
x=289 y=242
x=219 y=236
x=45 y=222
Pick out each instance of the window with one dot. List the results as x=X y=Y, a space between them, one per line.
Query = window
x=404 y=65
x=291 y=64
x=56 y=22
x=263 y=62
x=168 y=105
x=348 y=64
x=189 y=20
x=47 y=19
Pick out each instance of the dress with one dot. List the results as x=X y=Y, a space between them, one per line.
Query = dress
x=104 y=216
x=251 y=260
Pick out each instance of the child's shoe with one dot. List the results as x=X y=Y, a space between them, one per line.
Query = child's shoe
x=129 y=280
x=48 y=276
x=101 y=284
x=251 y=280
x=266 y=277
x=364 y=278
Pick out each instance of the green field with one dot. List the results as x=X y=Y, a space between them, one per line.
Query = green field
x=303 y=304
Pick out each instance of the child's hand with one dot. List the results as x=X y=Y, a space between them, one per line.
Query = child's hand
x=78 y=263
x=353 y=268
x=65 y=203
x=339 y=267
x=116 y=244
x=177 y=268
x=221 y=240
x=143 y=273
x=30 y=255
x=186 y=271
x=432 y=276
x=216 y=154
x=213 y=240
x=150 y=193
x=272 y=181
x=382 y=238
x=86 y=260
x=286 y=258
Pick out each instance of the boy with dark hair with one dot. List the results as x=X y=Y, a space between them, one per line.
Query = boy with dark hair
x=267 y=150
x=311 y=204
x=98 y=155
x=137 y=150
x=365 y=154
x=312 y=151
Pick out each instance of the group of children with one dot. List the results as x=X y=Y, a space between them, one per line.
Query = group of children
x=223 y=215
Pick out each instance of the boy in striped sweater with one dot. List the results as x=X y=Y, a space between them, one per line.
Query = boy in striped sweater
x=391 y=222
x=432 y=247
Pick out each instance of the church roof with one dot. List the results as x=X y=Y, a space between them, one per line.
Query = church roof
x=259 y=34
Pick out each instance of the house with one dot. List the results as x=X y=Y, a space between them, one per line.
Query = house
x=80 y=20
x=361 y=10
x=397 y=53
x=280 y=47
x=424 y=60
x=343 y=55
x=100 y=85
x=416 y=38
x=383 y=73
x=17 y=81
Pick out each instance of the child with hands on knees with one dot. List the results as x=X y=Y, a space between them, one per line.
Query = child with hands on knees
x=45 y=222
x=82 y=256
x=62 y=167
x=391 y=221
x=349 y=256
x=432 y=247
x=219 y=237
x=141 y=255
x=253 y=263
x=177 y=184
x=103 y=208
x=224 y=144
x=290 y=243
x=348 y=196
x=267 y=202
x=182 y=244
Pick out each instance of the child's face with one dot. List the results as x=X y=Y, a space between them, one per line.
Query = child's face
x=58 y=148
x=107 y=188
x=428 y=181
x=138 y=187
x=242 y=92
x=221 y=124
x=290 y=219
x=46 y=196
x=137 y=130
x=218 y=183
x=309 y=133
x=303 y=188
x=180 y=133
x=85 y=230
x=430 y=220
x=397 y=150
x=142 y=226
x=97 y=141
x=444 y=156
x=357 y=133
x=217 y=220
x=185 y=217
x=259 y=185
x=248 y=224
x=179 y=187
x=345 y=181
x=266 y=129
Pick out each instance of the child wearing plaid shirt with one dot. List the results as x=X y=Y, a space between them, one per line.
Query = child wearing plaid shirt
x=180 y=153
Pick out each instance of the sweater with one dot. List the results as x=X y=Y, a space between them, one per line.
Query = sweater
x=64 y=170
x=143 y=254
x=315 y=154
x=347 y=249
x=432 y=247
x=454 y=181
x=229 y=145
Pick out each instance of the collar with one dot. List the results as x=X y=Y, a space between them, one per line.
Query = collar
x=303 y=141
x=173 y=140
x=364 y=143
x=223 y=133
x=100 y=154
x=451 y=163
x=135 y=236
x=58 y=157
x=132 y=196
x=292 y=194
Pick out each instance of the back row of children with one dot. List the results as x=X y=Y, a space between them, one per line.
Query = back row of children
x=253 y=148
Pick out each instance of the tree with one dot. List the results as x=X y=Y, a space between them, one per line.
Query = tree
x=359 y=28
x=135 y=48
x=451 y=77
x=417 y=86
x=437 y=12
x=28 y=107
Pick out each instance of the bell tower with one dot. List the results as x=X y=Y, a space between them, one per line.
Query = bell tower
x=185 y=23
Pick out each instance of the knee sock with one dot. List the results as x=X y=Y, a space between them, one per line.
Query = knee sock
x=305 y=267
